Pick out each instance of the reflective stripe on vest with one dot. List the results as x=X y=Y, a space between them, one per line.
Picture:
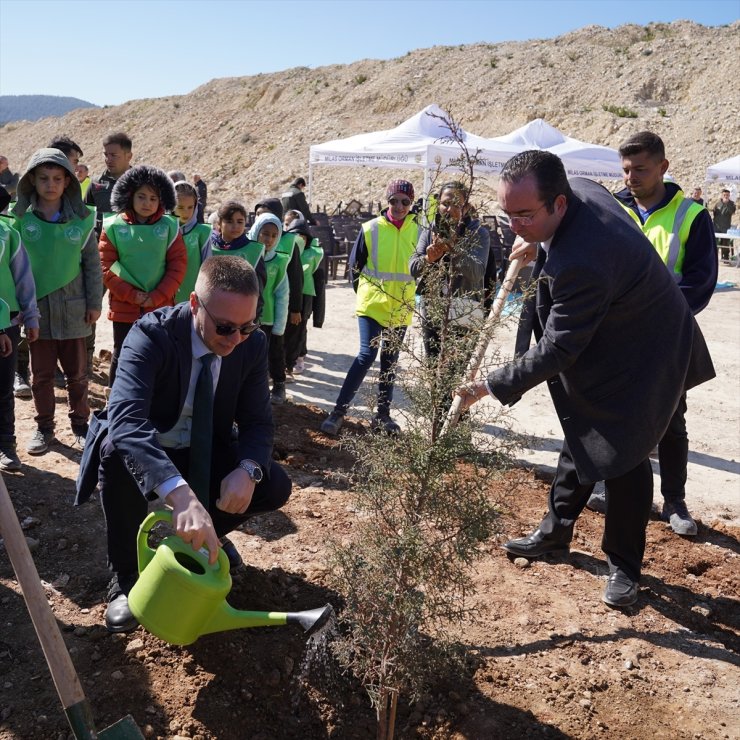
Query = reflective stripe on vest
x=674 y=241
x=386 y=289
x=668 y=229
x=401 y=277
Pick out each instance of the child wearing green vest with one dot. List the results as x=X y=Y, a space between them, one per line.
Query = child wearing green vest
x=141 y=249
x=196 y=236
x=17 y=305
x=287 y=245
x=229 y=236
x=274 y=313
x=57 y=230
x=311 y=255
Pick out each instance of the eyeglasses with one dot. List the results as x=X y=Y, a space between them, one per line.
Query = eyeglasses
x=524 y=220
x=402 y=201
x=226 y=330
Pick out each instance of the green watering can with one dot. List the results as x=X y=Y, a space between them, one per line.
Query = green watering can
x=180 y=596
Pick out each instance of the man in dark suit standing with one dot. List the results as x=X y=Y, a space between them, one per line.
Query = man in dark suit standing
x=294 y=199
x=202 y=189
x=150 y=451
x=617 y=345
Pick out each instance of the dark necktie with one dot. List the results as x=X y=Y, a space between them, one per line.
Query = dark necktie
x=201 y=432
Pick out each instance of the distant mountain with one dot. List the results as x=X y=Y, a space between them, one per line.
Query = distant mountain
x=35 y=107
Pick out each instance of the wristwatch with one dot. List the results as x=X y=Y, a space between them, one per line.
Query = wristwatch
x=253 y=470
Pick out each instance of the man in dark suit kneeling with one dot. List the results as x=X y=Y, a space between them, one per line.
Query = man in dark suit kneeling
x=163 y=443
x=617 y=346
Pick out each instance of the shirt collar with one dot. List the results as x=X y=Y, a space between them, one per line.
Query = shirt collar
x=198 y=347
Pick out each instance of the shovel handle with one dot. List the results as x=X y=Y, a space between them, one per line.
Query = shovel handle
x=55 y=651
x=480 y=349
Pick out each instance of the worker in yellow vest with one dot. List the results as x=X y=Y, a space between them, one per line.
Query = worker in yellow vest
x=83 y=175
x=385 y=301
x=681 y=231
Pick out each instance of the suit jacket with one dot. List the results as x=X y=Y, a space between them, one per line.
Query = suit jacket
x=147 y=398
x=619 y=345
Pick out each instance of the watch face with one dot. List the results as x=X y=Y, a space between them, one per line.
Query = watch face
x=253 y=471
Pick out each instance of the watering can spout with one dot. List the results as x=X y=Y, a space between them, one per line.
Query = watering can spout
x=228 y=618
x=313 y=618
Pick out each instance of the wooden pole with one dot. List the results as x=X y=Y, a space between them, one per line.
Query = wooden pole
x=479 y=352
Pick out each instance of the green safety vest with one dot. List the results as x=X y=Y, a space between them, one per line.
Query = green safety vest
x=142 y=249
x=54 y=249
x=251 y=251
x=386 y=288
x=276 y=268
x=286 y=245
x=668 y=229
x=311 y=257
x=9 y=242
x=194 y=240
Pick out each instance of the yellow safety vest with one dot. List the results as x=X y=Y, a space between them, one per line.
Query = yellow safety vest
x=668 y=229
x=386 y=288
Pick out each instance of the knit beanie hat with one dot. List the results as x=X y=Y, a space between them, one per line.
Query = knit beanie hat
x=400 y=186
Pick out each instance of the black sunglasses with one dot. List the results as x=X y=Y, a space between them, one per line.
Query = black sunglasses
x=226 y=330
x=402 y=201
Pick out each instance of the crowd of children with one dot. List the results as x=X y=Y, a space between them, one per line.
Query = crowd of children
x=145 y=247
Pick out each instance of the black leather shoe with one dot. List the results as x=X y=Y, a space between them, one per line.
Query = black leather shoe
x=620 y=590
x=118 y=616
x=536 y=544
x=235 y=559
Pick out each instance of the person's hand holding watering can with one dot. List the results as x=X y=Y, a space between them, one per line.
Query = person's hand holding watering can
x=192 y=522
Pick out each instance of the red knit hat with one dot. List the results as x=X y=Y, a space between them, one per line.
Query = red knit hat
x=399 y=186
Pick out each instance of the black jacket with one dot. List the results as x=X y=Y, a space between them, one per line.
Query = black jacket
x=99 y=195
x=618 y=344
x=294 y=199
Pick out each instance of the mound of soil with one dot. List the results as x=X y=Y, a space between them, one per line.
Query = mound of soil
x=546 y=659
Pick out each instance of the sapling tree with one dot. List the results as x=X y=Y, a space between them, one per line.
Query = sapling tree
x=423 y=500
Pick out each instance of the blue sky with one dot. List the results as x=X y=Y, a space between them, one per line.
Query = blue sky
x=108 y=51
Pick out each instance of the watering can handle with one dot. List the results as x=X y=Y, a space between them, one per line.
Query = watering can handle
x=146 y=553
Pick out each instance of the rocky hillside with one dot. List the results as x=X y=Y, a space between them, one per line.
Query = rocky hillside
x=35 y=107
x=249 y=136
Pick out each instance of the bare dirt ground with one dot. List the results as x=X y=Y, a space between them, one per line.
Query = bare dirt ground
x=547 y=658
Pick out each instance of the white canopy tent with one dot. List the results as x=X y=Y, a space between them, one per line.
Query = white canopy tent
x=580 y=158
x=421 y=142
x=728 y=170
